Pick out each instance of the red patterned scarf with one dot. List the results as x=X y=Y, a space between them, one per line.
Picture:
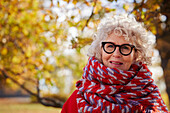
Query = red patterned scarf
x=110 y=90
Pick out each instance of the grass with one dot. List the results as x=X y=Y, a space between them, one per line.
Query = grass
x=27 y=108
x=20 y=105
x=12 y=107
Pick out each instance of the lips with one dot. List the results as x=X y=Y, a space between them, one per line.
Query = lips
x=117 y=63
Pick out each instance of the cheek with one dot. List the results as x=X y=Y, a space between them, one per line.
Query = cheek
x=130 y=59
x=105 y=56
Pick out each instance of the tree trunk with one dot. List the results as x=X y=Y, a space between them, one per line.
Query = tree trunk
x=163 y=45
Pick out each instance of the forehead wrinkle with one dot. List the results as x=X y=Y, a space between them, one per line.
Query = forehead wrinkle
x=115 y=36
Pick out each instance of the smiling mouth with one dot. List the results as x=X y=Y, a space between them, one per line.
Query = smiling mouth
x=116 y=63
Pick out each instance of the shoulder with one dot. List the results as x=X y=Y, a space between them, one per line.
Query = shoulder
x=70 y=106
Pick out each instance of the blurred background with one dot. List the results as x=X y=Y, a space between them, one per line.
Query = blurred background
x=43 y=46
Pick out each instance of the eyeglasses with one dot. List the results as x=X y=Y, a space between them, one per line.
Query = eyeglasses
x=125 y=49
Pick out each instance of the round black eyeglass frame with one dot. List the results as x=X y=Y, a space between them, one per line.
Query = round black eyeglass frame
x=132 y=46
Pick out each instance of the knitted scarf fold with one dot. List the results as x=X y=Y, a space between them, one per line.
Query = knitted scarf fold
x=110 y=90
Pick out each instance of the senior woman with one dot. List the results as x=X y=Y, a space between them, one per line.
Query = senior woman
x=116 y=78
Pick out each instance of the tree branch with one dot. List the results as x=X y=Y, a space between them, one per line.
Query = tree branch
x=92 y=13
x=43 y=100
x=16 y=82
x=20 y=74
x=136 y=7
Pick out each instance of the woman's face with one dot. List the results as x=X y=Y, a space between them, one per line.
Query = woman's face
x=116 y=59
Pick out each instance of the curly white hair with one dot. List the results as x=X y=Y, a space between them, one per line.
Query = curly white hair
x=130 y=29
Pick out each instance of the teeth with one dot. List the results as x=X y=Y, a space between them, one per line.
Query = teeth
x=116 y=63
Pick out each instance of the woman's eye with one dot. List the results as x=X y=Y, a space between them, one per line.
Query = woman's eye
x=110 y=46
x=126 y=47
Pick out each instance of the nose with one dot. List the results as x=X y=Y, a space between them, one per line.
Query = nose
x=116 y=53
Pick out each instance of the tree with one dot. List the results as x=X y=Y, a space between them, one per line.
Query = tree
x=163 y=44
x=34 y=34
x=28 y=41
